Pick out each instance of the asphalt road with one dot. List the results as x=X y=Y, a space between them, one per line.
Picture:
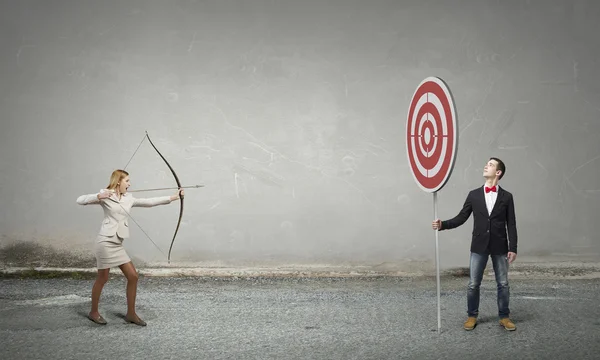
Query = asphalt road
x=383 y=318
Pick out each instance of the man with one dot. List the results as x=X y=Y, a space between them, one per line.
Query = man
x=493 y=213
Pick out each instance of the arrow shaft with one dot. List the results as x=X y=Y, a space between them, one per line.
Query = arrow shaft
x=167 y=188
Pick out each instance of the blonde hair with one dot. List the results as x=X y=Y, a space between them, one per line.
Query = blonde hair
x=115 y=177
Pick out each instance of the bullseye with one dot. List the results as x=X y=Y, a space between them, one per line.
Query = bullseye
x=428 y=134
x=427 y=137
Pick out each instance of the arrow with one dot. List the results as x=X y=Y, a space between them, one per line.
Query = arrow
x=169 y=188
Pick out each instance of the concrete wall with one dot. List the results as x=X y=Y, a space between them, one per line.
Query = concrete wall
x=292 y=115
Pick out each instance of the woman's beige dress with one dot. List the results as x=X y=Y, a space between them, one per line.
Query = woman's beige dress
x=115 y=226
x=110 y=252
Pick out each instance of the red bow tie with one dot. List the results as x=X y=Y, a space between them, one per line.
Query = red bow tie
x=487 y=189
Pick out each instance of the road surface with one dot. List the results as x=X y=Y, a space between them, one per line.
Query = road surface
x=297 y=318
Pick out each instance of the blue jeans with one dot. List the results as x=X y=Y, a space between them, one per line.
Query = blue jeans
x=477 y=266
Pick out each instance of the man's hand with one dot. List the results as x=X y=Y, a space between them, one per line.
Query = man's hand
x=436 y=224
x=511 y=257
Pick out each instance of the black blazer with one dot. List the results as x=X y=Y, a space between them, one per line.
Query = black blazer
x=489 y=231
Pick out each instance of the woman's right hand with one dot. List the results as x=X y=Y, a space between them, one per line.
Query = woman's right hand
x=104 y=195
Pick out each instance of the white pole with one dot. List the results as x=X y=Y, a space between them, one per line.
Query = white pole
x=437 y=262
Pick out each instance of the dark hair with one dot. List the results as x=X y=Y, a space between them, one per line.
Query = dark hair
x=500 y=166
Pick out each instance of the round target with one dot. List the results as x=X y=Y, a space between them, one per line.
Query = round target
x=431 y=134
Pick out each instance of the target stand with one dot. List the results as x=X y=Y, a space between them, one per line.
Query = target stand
x=431 y=145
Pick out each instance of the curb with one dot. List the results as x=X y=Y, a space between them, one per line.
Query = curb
x=565 y=270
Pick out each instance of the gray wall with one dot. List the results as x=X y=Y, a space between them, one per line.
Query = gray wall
x=292 y=115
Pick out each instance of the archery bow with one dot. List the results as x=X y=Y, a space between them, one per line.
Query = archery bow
x=178 y=187
x=180 y=196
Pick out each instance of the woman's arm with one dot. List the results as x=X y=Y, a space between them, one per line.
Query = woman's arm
x=93 y=198
x=162 y=200
x=88 y=199
x=150 y=202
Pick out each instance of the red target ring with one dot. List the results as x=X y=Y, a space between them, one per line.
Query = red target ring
x=431 y=134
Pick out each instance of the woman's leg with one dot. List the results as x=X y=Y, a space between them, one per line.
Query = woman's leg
x=132 y=279
x=97 y=290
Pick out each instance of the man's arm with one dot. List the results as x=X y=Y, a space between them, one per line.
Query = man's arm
x=511 y=225
x=462 y=216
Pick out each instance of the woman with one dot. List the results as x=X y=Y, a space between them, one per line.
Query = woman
x=117 y=203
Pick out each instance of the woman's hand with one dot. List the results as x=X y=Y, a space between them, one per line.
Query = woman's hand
x=176 y=196
x=104 y=195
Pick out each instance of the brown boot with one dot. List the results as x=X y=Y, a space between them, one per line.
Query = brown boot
x=470 y=323
x=508 y=325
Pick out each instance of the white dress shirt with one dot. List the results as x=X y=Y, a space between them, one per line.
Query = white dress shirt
x=490 y=198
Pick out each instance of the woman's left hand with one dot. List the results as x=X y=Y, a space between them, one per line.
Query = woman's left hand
x=176 y=196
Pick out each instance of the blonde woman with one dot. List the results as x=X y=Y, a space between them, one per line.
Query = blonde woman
x=117 y=203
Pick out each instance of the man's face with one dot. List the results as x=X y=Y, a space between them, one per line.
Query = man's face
x=490 y=170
